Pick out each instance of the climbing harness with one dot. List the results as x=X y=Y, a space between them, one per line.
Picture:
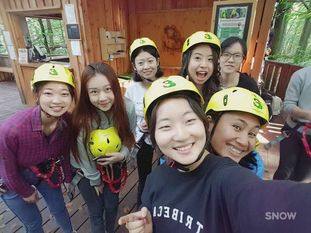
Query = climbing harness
x=304 y=139
x=47 y=170
x=107 y=176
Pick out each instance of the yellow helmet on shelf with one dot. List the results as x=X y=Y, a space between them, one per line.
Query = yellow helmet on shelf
x=53 y=72
x=168 y=85
x=201 y=37
x=140 y=42
x=239 y=99
x=103 y=141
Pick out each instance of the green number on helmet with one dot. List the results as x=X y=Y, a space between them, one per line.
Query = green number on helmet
x=169 y=83
x=207 y=36
x=225 y=100
x=257 y=103
x=53 y=71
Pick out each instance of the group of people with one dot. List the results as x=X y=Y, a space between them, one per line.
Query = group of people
x=45 y=146
x=196 y=120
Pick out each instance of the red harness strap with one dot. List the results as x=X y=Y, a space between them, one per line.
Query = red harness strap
x=107 y=176
x=304 y=139
x=55 y=168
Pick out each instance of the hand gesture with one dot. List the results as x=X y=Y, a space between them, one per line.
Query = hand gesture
x=70 y=190
x=137 y=222
x=110 y=158
x=99 y=189
x=33 y=198
x=143 y=127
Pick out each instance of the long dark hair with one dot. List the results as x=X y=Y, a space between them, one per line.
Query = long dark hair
x=153 y=52
x=85 y=112
x=195 y=105
x=211 y=86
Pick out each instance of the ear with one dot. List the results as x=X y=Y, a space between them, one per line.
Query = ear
x=133 y=65
x=36 y=97
x=210 y=123
x=158 y=61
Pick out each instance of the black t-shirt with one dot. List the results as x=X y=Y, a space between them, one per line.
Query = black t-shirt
x=247 y=82
x=221 y=196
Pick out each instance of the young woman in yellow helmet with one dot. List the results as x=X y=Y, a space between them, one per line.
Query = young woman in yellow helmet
x=203 y=192
x=100 y=111
x=34 y=150
x=200 y=55
x=145 y=61
x=229 y=134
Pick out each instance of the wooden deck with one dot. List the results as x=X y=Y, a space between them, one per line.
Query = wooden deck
x=77 y=210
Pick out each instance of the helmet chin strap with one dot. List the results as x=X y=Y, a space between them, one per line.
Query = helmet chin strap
x=148 y=80
x=190 y=167
x=45 y=112
x=48 y=115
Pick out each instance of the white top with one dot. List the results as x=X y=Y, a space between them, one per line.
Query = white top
x=135 y=92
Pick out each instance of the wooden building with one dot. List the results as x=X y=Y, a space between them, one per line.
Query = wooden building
x=129 y=19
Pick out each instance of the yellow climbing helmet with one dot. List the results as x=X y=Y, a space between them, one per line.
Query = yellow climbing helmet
x=53 y=72
x=200 y=37
x=140 y=42
x=239 y=99
x=165 y=86
x=103 y=141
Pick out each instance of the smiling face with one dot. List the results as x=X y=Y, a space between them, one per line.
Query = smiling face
x=100 y=92
x=146 y=66
x=201 y=65
x=54 y=98
x=231 y=59
x=235 y=134
x=179 y=134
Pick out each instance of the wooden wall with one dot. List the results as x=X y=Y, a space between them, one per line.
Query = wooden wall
x=189 y=16
x=110 y=15
x=181 y=17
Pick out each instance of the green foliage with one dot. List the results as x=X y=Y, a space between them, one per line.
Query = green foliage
x=300 y=58
x=50 y=38
x=3 y=50
x=293 y=49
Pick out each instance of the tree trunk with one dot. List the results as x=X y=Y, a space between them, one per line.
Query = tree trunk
x=45 y=42
x=305 y=35
x=50 y=34
x=279 y=26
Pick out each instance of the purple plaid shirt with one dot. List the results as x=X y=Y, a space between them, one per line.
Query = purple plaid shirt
x=23 y=144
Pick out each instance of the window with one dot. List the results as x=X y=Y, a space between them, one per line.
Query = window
x=3 y=50
x=47 y=34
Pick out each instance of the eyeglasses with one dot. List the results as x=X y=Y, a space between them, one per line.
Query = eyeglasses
x=236 y=56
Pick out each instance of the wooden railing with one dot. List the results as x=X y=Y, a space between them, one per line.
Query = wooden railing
x=276 y=76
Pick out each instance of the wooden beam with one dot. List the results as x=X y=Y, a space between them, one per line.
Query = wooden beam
x=9 y=27
x=262 y=37
x=253 y=40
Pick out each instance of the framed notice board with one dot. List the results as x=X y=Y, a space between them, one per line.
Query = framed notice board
x=233 y=18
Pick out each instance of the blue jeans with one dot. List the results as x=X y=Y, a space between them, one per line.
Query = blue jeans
x=29 y=214
x=103 y=209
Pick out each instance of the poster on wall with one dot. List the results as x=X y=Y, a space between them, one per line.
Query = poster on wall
x=233 y=19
